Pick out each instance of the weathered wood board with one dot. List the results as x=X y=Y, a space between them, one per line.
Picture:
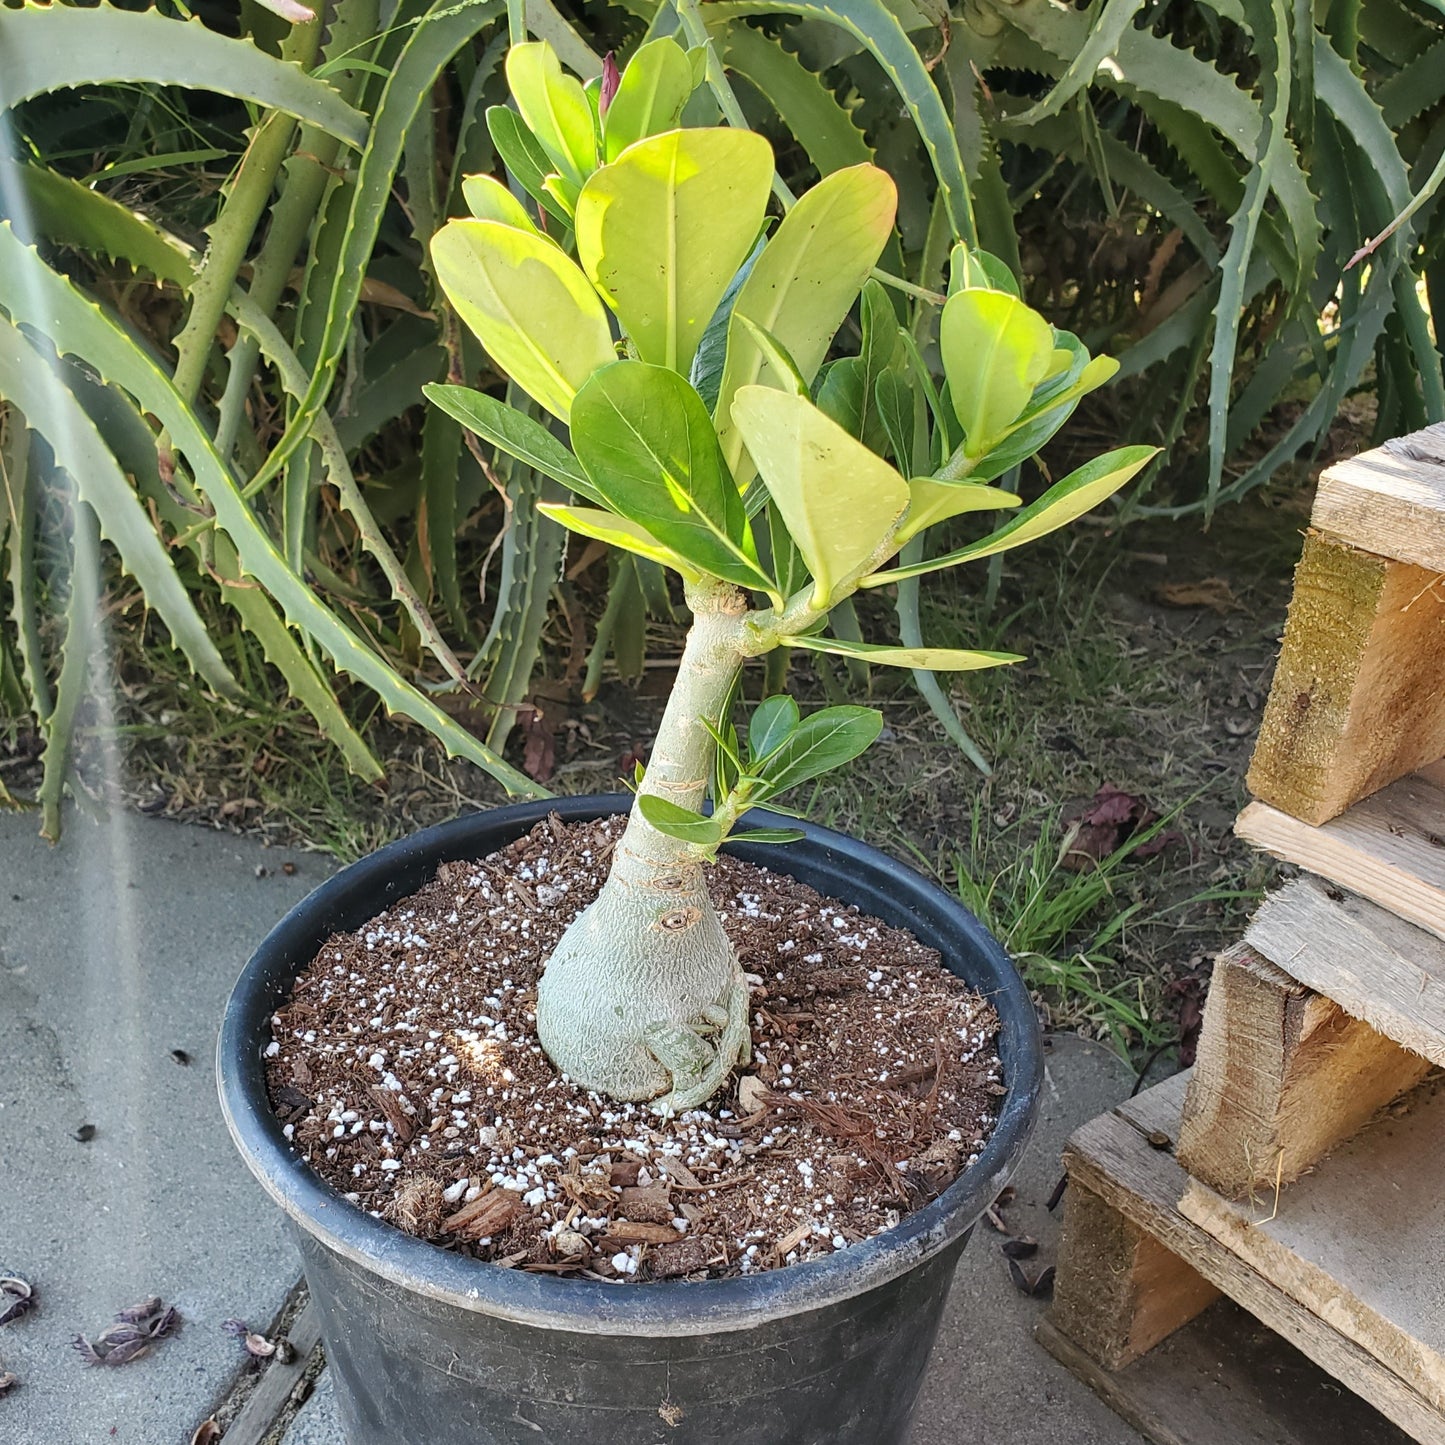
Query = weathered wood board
x=1358 y=697
x=1360 y=1243
x=1224 y=1379
x=1390 y=847
x=1390 y=500
x=1113 y=1157
x=1282 y=1076
x=1377 y=967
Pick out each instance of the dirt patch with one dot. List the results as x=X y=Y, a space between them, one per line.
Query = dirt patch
x=407 y=1072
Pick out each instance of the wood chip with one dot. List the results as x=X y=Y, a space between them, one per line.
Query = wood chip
x=646 y=1206
x=486 y=1215
x=622 y=1231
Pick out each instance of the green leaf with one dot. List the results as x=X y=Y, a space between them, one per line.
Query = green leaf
x=840 y=501
x=662 y=230
x=529 y=305
x=30 y=381
x=528 y=163
x=681 y=823
x=489 y=200
x=618 y=532
x=934 y=501
x=931 y=659
x=772 y=721
x=513 y=432
x=554 y=108
x=822 y=741
x=647 y=443
x=996 y=350
x=769 y=835
x=1079 y=492
x=654 y=88
x=803 y=284
x=970 y=269
x=59 y=47
x=782 y=368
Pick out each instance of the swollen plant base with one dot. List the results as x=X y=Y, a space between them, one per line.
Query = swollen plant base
x=407 y=1072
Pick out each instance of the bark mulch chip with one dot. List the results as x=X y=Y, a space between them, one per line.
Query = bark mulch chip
x=407 y=1072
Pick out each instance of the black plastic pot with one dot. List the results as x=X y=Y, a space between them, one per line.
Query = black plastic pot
x=431 y=1348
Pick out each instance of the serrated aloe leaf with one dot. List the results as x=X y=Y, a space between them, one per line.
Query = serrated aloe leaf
x=650 y=96
x=839 y=501
x=647 y=444
x=619 y=532
x=931 y=659
x=59 y=47
x=513 y=432
x=36 y=296
x=996 y=350
x=528 y=304
x=1079 y=492
x=803 y=284
x=29 y=381
x=554 y=108
x=663 y=228
x=772 y=720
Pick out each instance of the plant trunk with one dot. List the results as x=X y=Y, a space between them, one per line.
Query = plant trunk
x=643 y=997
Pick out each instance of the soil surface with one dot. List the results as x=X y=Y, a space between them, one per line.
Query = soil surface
x=407 y=1072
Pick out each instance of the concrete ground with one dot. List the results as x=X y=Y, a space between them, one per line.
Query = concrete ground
x=117 y=949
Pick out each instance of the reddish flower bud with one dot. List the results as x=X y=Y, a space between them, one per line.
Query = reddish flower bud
x=611 y=79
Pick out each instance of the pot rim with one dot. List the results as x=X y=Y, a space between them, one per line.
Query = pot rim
x=669 y=1307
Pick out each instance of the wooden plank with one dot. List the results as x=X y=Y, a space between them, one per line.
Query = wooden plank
x=1118 y=1291
x=273 y=1391
x=1113 y=1156
x=1282 y=1076
x=1390 y=847
x=1374 y=965
x=1224 y=1377
x=1358 y=697
x=1390 y=500
x=1361 y=1242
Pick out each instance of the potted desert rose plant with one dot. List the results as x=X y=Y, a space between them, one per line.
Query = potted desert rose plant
x=575 y=1200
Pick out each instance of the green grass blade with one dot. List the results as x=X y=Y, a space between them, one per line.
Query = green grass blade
x=58 y=47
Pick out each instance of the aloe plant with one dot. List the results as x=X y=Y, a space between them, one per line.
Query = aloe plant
x=646 y=304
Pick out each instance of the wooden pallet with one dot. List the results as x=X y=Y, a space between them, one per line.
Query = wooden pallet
x=1359 y=693
x=1133 y=1268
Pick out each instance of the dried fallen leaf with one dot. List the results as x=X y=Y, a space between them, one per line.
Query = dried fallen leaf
x=670 y=1414
x=259 y=1346
x=1021 y=1248
x=237 y=1329
x=1038 y=1286
x=1214 y=593
x=143 y=1311
x=85 y=1133
x=752 y=1093
x=17 y=1297
x=207 y=1432
x=7 y=1382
